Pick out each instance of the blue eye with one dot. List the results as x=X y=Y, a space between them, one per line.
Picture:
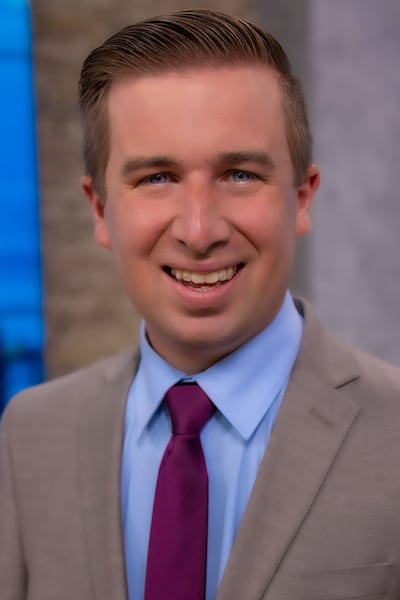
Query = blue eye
x=157 y=178
x=241 y=176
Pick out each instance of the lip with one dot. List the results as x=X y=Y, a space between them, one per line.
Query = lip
x=204 y=299
x=203 y=269
x=203 y=278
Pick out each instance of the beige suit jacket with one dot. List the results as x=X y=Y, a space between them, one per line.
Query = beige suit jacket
x=322 y=523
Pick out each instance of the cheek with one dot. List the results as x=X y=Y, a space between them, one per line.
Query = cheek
x=268 y=226
x=133 y=233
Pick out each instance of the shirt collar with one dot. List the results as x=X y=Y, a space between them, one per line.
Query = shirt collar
x=242 y=386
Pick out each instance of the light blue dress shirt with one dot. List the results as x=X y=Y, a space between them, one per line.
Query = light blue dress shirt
x=246 y=387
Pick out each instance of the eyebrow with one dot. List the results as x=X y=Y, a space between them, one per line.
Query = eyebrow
x=236 y=158
x=142 y=162
x=167 y=162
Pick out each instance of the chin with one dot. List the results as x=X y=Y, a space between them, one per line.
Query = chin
x=208 y=343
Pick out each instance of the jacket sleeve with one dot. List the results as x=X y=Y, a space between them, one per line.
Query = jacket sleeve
x=12 y=570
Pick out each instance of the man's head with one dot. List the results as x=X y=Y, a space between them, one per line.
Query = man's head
x=187 y=40
x=195 y=190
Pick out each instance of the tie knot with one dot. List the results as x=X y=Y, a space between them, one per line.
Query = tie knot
x=190 y=408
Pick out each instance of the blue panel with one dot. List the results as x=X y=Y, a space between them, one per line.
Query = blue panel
x=15 y=35
x=21 y=323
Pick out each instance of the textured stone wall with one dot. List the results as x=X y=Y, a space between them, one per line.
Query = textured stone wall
x=87 y=314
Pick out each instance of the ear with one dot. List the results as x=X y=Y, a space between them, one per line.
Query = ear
x=305 y=197
x=101 y=233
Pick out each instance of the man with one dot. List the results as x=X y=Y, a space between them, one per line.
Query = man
x=200 y=179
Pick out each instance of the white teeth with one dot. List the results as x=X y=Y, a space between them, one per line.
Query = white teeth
x=230 y=272
x=204 y=278
x=196 y=278
x=211 y=277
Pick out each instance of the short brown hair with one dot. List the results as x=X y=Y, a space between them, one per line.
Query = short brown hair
x=187 y=39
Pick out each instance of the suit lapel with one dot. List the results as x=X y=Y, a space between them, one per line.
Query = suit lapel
x=315 y=418
x=99 y=463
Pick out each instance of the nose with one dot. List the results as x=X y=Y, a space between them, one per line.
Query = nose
x=200 y=224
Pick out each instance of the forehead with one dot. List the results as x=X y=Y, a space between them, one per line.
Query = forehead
x=196 y=110
x=247 y=81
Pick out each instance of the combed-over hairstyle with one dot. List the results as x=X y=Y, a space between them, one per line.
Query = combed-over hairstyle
x=185 y=40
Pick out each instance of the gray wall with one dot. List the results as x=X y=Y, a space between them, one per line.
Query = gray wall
x=355 y=258
x=348 y=53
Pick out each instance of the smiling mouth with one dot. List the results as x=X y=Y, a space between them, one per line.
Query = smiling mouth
x=203 y=281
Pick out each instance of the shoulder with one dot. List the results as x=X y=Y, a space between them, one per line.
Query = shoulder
x=338 y=364
x=63 y=396
x=378 y=379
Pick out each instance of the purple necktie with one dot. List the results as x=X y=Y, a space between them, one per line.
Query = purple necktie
x=177 y=555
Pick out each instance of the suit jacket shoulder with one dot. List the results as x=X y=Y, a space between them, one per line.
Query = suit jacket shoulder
x=331 y=360
x=60 y=456
x=68 y=390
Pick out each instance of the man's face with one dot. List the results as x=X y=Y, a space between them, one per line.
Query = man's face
x=201 y=213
